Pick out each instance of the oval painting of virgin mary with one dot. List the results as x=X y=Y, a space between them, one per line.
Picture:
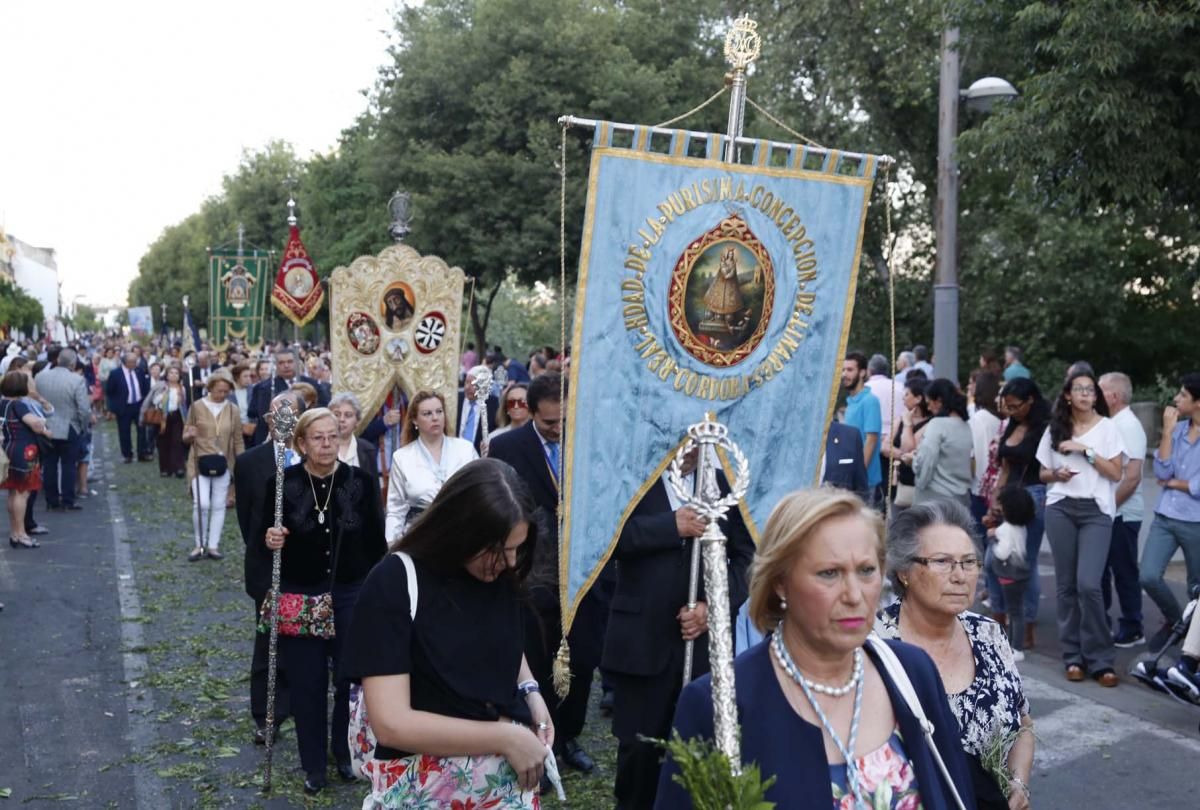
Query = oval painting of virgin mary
x=721 y=294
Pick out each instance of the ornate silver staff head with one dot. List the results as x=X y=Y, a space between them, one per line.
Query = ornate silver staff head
x=482 y=379
x=283 y=422
x=707 y=437
x=400 y=208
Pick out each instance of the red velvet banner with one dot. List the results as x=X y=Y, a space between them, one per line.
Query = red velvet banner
x=297 y=292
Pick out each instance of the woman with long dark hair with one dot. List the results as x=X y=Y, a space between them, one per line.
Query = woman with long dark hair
x=943 y=461
x=437 y=675
x=904 y=443
x=1082 y=458
x=1028 y=415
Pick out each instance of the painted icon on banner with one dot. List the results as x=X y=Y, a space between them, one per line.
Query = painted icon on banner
x=397 y=349
x=237 y=283
x=721 y=294
x=298 y=281
x=430 y=332
x=397 y=306
x=363 y=333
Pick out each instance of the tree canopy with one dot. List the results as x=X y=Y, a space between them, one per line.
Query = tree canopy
x=1078 y=225
x=18 y=309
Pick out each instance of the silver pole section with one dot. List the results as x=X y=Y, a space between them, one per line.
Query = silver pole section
x=945 y=288
x=284 y=420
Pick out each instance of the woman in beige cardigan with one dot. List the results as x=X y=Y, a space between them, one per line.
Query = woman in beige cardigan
x=214 y=432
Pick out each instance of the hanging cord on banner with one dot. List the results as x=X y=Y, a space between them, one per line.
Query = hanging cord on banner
x=561 y=671
x=779 y=123
x=887 y=261
x=694 y=110
x=462 y=338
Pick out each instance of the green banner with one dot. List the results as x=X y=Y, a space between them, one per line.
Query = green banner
x=239 y=284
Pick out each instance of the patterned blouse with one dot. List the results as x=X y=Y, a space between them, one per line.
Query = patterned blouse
x=994 y=701
x=886 y=778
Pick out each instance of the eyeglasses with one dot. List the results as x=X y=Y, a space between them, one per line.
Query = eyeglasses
x=516 y=404
x=945 y=565
x=1086 y=390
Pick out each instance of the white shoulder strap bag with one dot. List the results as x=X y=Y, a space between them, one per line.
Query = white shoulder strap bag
x=900 y=678
x=410 y=571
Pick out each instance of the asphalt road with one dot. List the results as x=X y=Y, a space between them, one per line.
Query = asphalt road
x=124 y=679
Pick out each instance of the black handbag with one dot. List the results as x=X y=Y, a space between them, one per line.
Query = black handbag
x=212 y=466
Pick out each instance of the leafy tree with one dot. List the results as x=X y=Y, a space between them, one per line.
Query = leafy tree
x=255 y=195
x=465 y=119
x=85 y=319
x=1066 y=247
x=18 y=309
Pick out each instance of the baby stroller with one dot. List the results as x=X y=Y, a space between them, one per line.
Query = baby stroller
x=1168 y=679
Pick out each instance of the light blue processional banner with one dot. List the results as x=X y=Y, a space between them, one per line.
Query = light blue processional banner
x=704 y=287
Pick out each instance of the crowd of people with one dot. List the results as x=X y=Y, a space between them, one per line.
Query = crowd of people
x=420 y=570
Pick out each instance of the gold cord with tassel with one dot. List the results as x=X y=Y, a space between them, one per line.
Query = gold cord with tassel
x=562 y=669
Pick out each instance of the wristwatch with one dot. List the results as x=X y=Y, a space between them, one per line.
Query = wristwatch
x=527 y=688
x=1090 y=455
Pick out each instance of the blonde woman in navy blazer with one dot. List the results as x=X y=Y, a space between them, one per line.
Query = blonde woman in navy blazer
x=815 y=584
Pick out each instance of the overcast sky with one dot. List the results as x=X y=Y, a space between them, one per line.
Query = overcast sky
x=117 y=119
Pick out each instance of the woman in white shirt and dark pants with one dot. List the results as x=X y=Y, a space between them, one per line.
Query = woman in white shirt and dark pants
x=423 y=464
x=1081 y=457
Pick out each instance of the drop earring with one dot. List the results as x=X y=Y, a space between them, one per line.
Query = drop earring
x=782 y=603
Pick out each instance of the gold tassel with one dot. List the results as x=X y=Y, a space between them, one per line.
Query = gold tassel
x=562 y=670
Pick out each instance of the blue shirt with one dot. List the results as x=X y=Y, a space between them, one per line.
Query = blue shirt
x=862 y=412
x=1016 y=370
x=1184 y=463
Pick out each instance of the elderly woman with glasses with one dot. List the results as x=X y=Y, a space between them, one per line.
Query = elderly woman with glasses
x=352 y=449
x=933 y=562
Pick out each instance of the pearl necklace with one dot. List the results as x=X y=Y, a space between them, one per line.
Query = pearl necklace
x=790 y=668
x=846 y=749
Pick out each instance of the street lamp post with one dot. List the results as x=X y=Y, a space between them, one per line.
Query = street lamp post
x=945 y=284
x=981 y=95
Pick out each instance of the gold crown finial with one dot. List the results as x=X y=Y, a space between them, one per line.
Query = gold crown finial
x=742 y=43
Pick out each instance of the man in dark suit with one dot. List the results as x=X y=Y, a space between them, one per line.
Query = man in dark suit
x=265 y=390
x=650 y=622
x=197 y=376
x=469 y=426
x=844 y=467
x=535 y=452
x=125 y=388
x=251 y=473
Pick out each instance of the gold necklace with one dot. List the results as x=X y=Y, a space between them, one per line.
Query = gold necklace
x=317 y=504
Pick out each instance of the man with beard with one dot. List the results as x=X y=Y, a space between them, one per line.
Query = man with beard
x=863 y=412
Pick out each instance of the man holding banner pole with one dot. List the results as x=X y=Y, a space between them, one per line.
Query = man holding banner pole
x=650 y=624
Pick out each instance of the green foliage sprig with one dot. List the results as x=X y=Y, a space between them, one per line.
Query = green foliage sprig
x=704 y=772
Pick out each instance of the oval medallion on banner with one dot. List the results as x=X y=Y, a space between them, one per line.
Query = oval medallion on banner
x=363 y=333
x=721 y=294
x=430 y=332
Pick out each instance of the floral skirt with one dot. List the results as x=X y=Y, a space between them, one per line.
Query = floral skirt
x=423 y=782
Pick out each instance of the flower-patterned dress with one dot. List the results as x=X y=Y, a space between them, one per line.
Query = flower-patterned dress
x=885 y=777
x=992 y=705
x=424 y=782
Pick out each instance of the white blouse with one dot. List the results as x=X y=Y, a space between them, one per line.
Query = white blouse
x=1106 y=440
x=414 y=478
